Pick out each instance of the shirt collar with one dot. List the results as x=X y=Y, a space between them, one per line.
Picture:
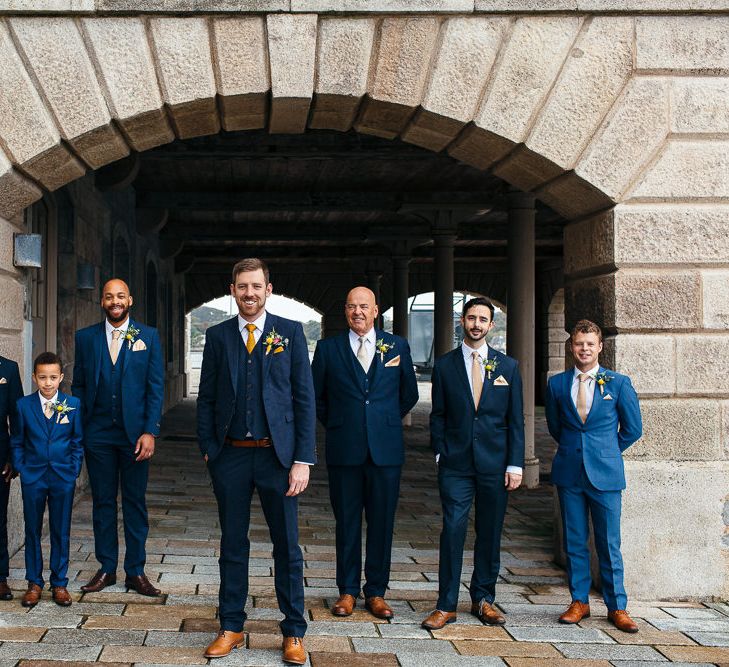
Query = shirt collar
x=110 y=327
x=369 y=336
x=483 y=351
x=45 y=400
x=592 y=372
x=259 y=322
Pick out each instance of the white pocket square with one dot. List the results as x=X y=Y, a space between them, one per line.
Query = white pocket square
x=138 y=345
x=395 y=361
x=607 y=397
x=501 y=381
x=3 y=381
x=64 y=420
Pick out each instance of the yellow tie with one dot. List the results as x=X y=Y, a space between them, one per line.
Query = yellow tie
x=251 y=342
x=114 y=349
x=476 y=378
x=582 y=396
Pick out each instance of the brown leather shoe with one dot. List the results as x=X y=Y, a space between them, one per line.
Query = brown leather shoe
x=379 y=608
x=224 y=643
x=293 y=650
x=620 y=619
x=439 y=619
x=575 y=613
x=61 y=596
x=5 y=592
x=487 y=613
x=99 y=582
x=344 y=606
x=142 y=585
x=32 y=596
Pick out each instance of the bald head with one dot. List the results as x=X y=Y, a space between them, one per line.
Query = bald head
x=116 y=301
x=360 y=309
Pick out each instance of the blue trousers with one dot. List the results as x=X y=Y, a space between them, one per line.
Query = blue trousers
x=112 y=465
x=235 y=473
x=577 y=503
x=457 y=492
x=4 y=556
x=374 y=489
x=57 y=493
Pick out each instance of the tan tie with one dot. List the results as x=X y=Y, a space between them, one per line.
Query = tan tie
x=362 y=353
x=582 y=396
x=476 y=378
x=48 y=410
x=114 y=349
x=251 y=342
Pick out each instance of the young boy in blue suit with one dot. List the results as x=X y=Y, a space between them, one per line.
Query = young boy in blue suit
x=47 y=452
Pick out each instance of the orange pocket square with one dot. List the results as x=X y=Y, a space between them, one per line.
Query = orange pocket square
x=395 y=361
x=138 y=346
x=278 y=349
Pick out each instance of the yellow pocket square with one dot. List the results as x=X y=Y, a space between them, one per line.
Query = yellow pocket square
x=3 y=381
x=278 y=349
x=138 y=346
x=395 y=361
x=501 y=382
x=64 y=420
x=607 y=397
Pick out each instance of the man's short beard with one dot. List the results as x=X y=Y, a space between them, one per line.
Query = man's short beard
x=113 y=319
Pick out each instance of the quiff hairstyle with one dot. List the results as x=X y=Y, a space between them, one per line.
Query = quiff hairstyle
x=250 y=264
x=586 y=327
x=48 y=359
x=478 y=301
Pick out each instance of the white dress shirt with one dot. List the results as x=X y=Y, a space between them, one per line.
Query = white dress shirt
x=110 y=328
x=369 y=343
x=45 y=400
x=589 y=386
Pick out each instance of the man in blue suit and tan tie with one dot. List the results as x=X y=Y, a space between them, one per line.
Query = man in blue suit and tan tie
x=119 y=376
x=256 y=430
x=365 y=384
x=594 y=416
x=477 y=434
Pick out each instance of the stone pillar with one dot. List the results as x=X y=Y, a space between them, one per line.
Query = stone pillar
x=520 y=315
x=400 y=277
x=443 y=241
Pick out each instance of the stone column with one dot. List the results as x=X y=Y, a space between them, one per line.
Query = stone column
x=401 y=280
x=443 y=241
x=520 y=315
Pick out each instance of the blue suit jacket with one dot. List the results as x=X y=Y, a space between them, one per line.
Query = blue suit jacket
x=288 y=394
x=142 y=378
x=360 y=420
x=41 y=443
x=613 y=424
x=11 y=389
x=494 y=431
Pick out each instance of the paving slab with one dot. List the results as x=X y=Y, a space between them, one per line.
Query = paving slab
x=82 y=637
x=609 y=652
x=710 y=638
x=568 y=634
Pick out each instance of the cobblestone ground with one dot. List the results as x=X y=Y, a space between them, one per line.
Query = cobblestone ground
x=123 y=628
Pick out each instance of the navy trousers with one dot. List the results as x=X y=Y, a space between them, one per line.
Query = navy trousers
x=57 y=493
x=577 y=503
x=4 y=557
x=457 y=491
x=109 y=466
x=235 y=473
x=374 y=489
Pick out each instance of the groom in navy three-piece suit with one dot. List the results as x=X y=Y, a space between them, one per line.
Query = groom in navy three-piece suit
x=594 y=415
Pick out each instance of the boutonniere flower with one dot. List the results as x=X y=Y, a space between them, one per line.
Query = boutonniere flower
x=602 y=379
x=61 y=409
x=490 y=366
x=275 y=341
x=131 y=335
x=383 y=348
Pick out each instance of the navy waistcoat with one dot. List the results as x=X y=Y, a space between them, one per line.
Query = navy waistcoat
x=249 y=415
x=107 y=422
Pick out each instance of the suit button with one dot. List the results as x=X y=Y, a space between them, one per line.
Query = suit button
x=250 y=361
x=475 y=419
x=367 y=402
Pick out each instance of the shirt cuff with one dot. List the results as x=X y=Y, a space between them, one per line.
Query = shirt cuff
x=304 y=463
x=437 y=458
x=514 y=469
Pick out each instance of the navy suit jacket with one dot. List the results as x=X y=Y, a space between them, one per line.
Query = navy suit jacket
x=11 y=389
x=494 y=431
x=288 y=394
x=361 y=419
x=142 y=378
x=41 y=443
x=613 y=424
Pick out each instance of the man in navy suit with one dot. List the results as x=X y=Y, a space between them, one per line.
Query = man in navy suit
x=256 y=430
x=594 y=416
x=365 y=384
x=11 y=389
x=47 y=452
x=477 y=433
x=119 y=376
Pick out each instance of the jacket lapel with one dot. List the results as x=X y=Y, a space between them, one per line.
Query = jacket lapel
x=567 y=379
x=101 y=348
x=268 y=324
x=233 y=341
x=460 y=370
x=376 y=361
x=125 y=354
x=348 y=359
x=596 y=397
x=35 y=408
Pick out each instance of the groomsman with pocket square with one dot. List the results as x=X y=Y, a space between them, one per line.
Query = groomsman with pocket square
x=365 y=384
x=119 y=376
x=594 y=415
x=477 y=433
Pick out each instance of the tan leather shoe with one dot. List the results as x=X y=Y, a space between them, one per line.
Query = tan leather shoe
x=32 y=596
x=293 y=650
x=5 y=592
x=620 y=619
x=61 y=596
x=575 y=613
x=439 y=619
x=379 y=608
x=224 y=643
x=344 y=606
x=487 y=613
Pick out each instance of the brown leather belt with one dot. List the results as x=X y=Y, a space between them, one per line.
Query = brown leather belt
x=263 y=442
